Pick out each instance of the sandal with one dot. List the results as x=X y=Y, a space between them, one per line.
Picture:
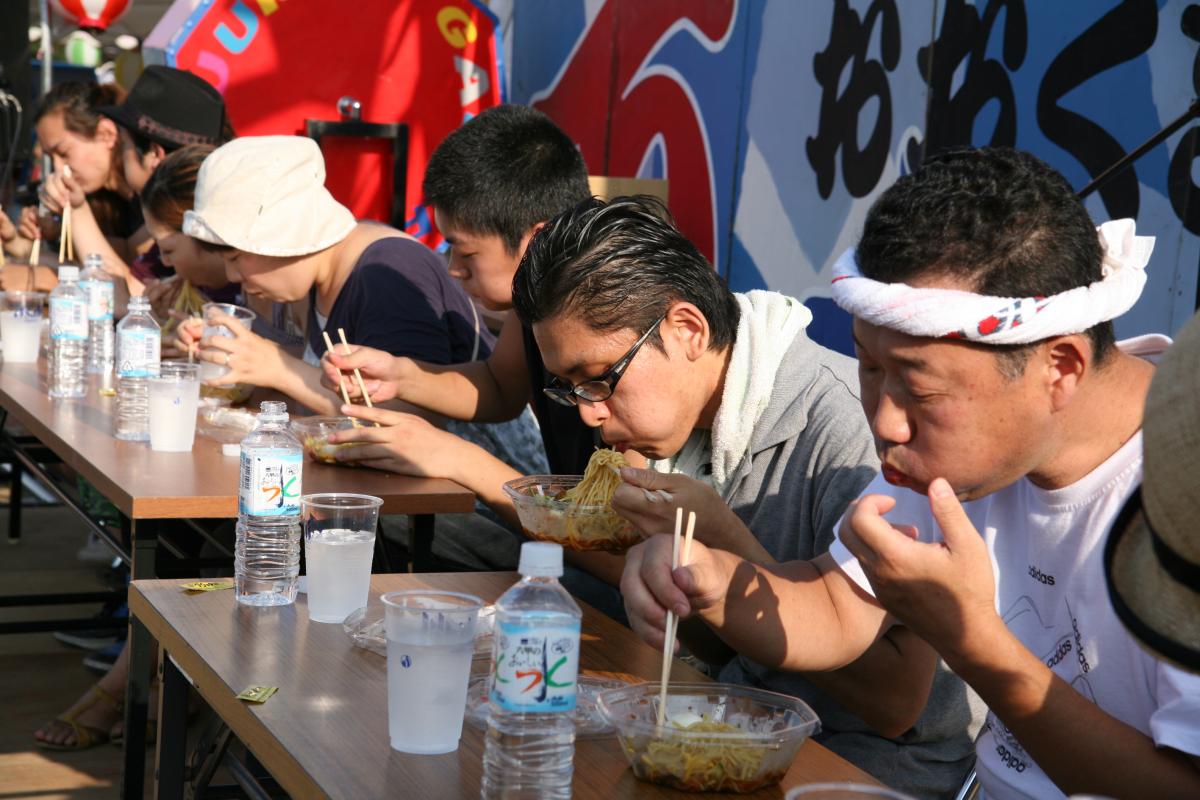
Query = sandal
x=86 y=736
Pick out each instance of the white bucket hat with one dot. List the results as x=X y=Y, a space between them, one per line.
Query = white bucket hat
x=266 y=195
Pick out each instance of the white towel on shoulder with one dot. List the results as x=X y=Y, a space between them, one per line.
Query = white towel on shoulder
x=768 y=326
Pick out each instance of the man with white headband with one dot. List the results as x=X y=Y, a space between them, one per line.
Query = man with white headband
x=1008 y=424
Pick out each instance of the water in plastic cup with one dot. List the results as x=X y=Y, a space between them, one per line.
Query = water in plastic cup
x=21 y=326
x=844 y=791
x=430 y=641
x=339 y=540
x=208 y=371
x=173 y=398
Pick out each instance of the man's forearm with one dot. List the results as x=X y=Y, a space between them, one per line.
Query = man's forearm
x=302 y=383
x=465 y=391
x=888 y=686
x=485 y=475
x=1078 y=745
x=793 y=616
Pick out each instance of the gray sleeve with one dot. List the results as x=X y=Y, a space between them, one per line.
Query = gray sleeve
x=841 y=458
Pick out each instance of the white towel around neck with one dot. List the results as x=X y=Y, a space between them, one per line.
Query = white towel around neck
x=768 y=325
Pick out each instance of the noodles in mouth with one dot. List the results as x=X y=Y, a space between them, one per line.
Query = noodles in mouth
x=599 y=481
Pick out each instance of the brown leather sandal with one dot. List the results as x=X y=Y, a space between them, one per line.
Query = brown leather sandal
x=86 y=736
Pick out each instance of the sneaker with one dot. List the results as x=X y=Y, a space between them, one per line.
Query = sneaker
x=98 y=639
x=102 y=662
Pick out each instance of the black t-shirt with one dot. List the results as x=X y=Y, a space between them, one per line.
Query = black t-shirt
x=569 y=443
x=399 y=298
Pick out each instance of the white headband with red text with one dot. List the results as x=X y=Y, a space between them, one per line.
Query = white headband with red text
x=954 y=314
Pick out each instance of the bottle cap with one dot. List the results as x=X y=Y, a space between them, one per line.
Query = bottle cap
x=68 y=273
x=273 y=409
x=94 y=261
x=231 y=449
x=541 y=560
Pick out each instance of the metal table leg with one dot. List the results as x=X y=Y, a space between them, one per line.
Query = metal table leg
x=171 y=753
x=144 y=534
x=422 y=539
x=16 y=496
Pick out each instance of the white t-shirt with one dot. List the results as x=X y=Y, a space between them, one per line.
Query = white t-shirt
x=1047 y=555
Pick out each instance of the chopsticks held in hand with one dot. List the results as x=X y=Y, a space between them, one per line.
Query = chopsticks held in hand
x=677 y=559
x=362 y=386
x=65 y=245
x=342 y=386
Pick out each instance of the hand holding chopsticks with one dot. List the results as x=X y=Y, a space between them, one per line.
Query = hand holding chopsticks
x=362 y=386
x=341 y=384
x=677 y=558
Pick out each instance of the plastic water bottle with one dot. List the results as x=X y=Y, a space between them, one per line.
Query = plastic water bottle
x=68 y=336
x=98 y=287
x=530 y=743
x=139 y=351
x=266 y=555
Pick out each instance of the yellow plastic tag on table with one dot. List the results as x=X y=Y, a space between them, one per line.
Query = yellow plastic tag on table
x=257 y=694
x=206 y=586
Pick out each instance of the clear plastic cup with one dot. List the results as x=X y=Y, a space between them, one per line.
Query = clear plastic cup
x=844 y=791
x=21 y=326
x=172 y=400
x=245 y=316
x=339 y=540
x=430 y=640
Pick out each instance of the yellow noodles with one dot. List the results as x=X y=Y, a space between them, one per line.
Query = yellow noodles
x=599 y=481
x=699 y=765
x=580 y=518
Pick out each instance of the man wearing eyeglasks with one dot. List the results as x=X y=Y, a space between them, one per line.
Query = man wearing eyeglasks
x=747 y=422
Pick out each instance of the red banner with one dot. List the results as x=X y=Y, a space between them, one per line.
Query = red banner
x=432 y=64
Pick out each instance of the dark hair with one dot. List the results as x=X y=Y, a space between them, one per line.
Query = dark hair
x=79 y=103
x=505 y=171
x=171 y=188
x=620 y=265
x=1002 y=221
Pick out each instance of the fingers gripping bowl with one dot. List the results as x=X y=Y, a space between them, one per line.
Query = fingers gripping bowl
x=718 y=737
x=314 y=433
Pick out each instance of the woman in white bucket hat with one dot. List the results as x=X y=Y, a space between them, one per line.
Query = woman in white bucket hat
x=261 y=202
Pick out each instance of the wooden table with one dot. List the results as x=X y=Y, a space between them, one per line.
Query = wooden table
x=148 y=487
x=325 y=733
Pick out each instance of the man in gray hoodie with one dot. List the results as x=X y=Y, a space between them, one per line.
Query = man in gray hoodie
x=750 y=424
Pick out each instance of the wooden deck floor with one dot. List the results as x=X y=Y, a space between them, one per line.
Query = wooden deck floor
x=39 y=677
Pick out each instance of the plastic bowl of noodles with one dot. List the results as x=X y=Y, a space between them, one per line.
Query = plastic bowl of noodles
x=314 y=433
x=718 y=737
x=547 y=517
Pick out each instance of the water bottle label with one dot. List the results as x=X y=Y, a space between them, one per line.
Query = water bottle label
x=68 y=319
x=100 y=299
x=270 y=483
x=138 y=353
x=535 y=667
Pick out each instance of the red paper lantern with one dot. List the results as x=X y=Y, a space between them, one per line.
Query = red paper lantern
x=94 y=15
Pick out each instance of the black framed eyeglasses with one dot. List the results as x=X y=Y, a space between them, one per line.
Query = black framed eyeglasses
x=602 y=386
